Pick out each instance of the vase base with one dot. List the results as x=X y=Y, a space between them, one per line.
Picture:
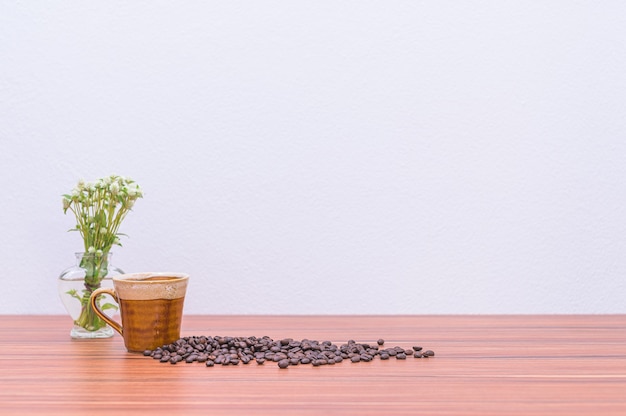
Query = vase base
x=78 y=332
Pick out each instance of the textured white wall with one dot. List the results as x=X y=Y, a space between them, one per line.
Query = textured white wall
x=327 y=156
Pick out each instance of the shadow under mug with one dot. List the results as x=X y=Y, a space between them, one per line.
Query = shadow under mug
x=151 y=308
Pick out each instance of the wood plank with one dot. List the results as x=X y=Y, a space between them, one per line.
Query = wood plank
x=484 y=365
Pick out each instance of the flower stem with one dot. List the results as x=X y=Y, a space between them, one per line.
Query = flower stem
x=88 y=318
x=96 y=268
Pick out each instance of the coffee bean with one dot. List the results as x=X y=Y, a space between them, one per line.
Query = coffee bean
x=285 y=352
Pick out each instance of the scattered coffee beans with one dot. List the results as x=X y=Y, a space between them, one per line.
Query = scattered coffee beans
x=286 y=352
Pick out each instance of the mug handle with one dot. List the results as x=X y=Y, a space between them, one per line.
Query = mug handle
x=94 y=305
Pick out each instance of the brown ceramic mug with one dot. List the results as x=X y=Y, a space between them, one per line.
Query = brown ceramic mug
x=151 y=308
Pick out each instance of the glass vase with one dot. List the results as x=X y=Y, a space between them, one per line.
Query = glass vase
x=90 y=272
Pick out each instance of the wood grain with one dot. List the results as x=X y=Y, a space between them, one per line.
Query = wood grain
x=484 y=365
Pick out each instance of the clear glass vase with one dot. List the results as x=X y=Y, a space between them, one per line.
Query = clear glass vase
x=75 y=285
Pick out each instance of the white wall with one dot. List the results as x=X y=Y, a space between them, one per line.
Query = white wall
x=325 y=156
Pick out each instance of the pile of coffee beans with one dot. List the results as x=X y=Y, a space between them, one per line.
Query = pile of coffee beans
x=286 y=352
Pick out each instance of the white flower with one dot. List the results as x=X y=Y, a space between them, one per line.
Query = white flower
x=132 y=190
x=99 y=207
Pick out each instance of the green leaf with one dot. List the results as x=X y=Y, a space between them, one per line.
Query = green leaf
x=107 y=306
x=100 y=219
x=73 y=294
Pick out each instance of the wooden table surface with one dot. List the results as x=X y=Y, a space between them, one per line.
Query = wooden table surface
x=483 y=365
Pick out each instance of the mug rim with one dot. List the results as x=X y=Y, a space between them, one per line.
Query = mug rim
x=139 y=277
